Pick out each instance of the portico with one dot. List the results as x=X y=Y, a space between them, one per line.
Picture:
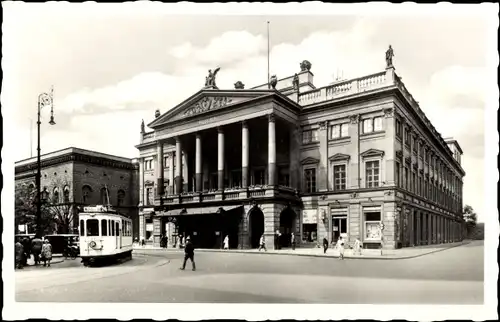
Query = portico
x=230 y=155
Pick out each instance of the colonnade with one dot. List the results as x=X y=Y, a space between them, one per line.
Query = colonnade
x=424 y=228
x=178 y=177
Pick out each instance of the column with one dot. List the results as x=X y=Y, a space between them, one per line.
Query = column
x=272 y=150
x=245 y=155
x=424 y=238
x=159 y=169
x=220 y=159
x=178 y=166
x=354 y=171
x=389 y=146
x=185 y=172
x=419 y=228
x=412 y=227
x=429 y=229
x=295 y=140
x=198 y=167
x=171 y=174
x=141 y=181
x=322 y=177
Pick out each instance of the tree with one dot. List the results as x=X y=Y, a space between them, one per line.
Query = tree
x=25 y=210
x=55 y=217
x=470 y=218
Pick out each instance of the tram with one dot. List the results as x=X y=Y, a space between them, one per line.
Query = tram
x=105 y=234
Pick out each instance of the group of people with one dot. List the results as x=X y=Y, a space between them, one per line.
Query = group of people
x=41 y=251
x=340 y=245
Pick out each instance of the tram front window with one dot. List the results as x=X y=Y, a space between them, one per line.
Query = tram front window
x=92 y=227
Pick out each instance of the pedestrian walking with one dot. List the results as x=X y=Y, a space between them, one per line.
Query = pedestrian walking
x=46 y=252
x=340 y=246
x=36 y=248
x=26 y=250
x=357 y=246
x=226 y=242
x=325 y=245
x=262 y=243
x=292 y=240
x=19 y=252
x=188 y=254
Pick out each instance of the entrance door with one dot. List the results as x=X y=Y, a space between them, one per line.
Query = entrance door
x=339 y=226
x=256 y=223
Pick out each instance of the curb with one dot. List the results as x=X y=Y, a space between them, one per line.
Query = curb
x=387 y=257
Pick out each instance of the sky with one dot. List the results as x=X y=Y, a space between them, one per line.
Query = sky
x=112 y=68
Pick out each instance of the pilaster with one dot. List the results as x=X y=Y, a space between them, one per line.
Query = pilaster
x=354 y=172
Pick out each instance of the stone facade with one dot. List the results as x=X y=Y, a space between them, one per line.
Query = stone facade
x=359 y=157
x=85 y=172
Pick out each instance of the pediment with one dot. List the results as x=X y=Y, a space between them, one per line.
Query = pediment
x=205 y=101
x=339 y=157
x=309 y=160
x=372 y=153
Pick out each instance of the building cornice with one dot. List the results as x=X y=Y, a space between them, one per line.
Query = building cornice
x=77 y=157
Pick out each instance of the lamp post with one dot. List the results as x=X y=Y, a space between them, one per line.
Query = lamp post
x=44 y=99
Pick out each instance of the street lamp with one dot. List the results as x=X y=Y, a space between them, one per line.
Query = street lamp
x=44 y=99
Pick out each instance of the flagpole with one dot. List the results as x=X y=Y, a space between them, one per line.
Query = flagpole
x=268 y=85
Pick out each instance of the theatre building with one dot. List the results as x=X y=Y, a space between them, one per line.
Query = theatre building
x=357 y=157
x=73 y=178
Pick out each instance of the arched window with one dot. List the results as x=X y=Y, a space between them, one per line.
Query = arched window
x=66 y=194
x=86 y=194
x=121 y=197
x=104 y=196
x=55 y=196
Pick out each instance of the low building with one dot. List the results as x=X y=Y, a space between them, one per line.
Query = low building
x=73 y=177
x=357 y=158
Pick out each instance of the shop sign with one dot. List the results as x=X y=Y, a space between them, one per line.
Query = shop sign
x=309 y=216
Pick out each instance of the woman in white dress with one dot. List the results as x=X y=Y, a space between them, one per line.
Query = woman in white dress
x=226 y=242
x=340 y=246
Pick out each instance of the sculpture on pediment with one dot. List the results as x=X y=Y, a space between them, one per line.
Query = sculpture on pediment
x=295 y=82
x=305 y=66
x=239 y=85
x=157 y=113
x=210 y=79
x=388 y=56
x=143 y=128
x=273 y=81
x=207 y=104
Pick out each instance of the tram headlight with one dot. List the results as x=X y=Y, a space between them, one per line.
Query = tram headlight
x=92 y=244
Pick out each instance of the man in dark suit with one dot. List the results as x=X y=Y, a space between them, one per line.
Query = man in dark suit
x=188 y=253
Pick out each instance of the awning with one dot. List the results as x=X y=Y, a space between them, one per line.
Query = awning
x=197 y=211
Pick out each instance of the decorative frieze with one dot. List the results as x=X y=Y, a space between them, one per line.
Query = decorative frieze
x=207 y=104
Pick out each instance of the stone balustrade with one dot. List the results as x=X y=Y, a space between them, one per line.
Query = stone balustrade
x=345 y=88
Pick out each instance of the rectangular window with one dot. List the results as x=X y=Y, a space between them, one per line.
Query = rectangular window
x=367 y=126
x=104 y=227
x=398 y=128
x=373 y=230
x=397 y=174
x=414 y=183
x=377 y=124
x=339 y=177
x=117 y=228
x=406 y=179
x=372 y=174
x=112 y=228
x=82 y=227
x=310 y=180
x=309 y=136
x=259 y=177
x=149 y=196
x=92 y=227
x=339 y=131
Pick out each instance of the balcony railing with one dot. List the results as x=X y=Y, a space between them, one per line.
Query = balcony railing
x=229 y=194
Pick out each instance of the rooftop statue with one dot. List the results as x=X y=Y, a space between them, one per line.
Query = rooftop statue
x=305 y=66
x=143 y=130
x=210 y=79
x=295 y=82
x=239 y=85
x=273 y=81
x=388 y=57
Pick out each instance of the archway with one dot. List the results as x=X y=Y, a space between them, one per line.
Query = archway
x=287 y=226
x=256 y=226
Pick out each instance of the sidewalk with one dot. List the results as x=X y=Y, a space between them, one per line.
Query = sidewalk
x=409 y=252
x=56 y=259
